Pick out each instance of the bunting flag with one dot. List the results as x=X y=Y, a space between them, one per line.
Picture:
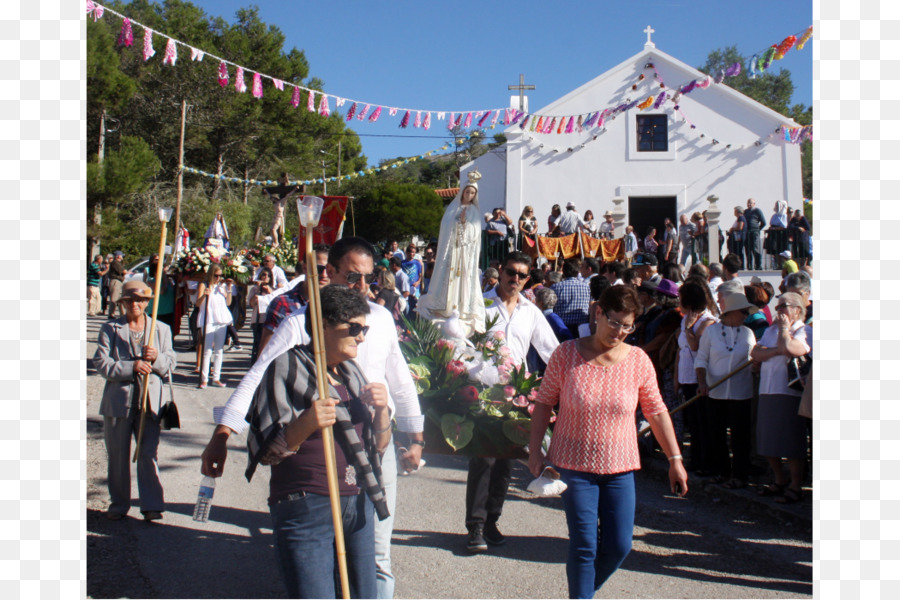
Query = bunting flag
x=351 y=112
x=418 y=122
x=427 y=123
x=295 y=98
x=559 y=124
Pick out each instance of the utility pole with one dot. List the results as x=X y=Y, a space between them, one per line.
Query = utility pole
x=98 y=208
x=178 y=189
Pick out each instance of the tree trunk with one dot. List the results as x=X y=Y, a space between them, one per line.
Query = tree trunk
x=217 y=182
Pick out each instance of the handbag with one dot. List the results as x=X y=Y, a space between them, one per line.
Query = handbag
x=798 y=369
x=168 y=413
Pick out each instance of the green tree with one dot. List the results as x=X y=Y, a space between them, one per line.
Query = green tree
x=397 y=211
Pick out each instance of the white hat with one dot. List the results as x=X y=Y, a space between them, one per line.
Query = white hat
x=786 y=254
x=570 y=205
x=737 y=301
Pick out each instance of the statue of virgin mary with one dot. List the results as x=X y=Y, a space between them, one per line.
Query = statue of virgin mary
x=454 y=284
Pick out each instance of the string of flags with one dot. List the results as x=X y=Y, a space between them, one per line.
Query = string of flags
x=317 y=101
x=354 y=175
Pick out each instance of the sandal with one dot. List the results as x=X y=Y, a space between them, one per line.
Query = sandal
x=772 y=489
x=734 y=484
x=789 y=497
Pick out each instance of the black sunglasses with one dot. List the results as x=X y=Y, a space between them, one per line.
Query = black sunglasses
x=356 y=329
x=320 y=269
x=354 y=277
x=513 y=273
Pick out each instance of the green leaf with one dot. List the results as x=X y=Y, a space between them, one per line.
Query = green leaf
x=457 y=430
x=517 y=430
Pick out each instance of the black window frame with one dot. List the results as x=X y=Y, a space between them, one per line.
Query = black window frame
x=652 y=133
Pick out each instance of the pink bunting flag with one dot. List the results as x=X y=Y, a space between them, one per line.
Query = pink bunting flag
x=257 y=86
x=311 y=101
x=171 y=53
x=279 y=84
x=418 y=122
x=362 y=115
x=496 y=117
x=549 y=128
x=197 y=55
x=148 y=44
x=351 y=112
x=392 y=112
x=427 y=123
x=126 y=37
x=571 y=125
x=94 y=9
x=405 y=120
x=324 y=109
x=507 y=116
x=484 y=118
x=295 y=97
x=375 y=115
x=450 y=123
x=468 y=121
x=580 y=123
x=223 y=74
x=239 y=84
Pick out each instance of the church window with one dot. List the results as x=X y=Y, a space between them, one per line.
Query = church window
x=652 y=133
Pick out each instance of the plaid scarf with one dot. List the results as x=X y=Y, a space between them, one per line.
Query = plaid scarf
x=288 y=388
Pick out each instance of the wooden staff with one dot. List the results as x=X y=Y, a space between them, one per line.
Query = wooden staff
x=145 y=395
x=694 y=399
x=314 y=312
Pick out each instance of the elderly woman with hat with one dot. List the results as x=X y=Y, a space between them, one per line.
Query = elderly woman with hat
x=725 y=346
x=780 y=431
x=124 y=356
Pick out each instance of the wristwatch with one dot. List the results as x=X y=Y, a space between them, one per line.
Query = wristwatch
x=418 y=442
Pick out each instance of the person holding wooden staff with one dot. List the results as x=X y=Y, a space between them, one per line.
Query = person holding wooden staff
x=124 y=358
x=286 y=423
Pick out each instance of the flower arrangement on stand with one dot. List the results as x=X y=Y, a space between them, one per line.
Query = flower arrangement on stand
x=194 y=262
x=475 y=399
x=237 y=267
x=285 y=254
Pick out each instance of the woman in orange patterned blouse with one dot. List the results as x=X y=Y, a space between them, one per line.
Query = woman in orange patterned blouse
x=598 y=382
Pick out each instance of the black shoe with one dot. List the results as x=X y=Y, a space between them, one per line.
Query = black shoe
x=476 y=541
x=492 y=535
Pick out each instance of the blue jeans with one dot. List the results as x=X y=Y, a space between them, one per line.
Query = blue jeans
x=595 y=554
x=304 y=541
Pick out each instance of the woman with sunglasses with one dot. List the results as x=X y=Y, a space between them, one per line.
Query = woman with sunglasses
x=214 y=317
x=780 y=431
x=598 y=382
x=286 y=421
x=124 y=356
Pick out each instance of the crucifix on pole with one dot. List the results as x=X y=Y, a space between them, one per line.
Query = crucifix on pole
x=521 y=87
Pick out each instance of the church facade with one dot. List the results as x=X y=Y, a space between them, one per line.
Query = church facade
x=651 y=160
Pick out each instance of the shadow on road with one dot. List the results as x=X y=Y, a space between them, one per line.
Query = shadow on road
x=538 y=549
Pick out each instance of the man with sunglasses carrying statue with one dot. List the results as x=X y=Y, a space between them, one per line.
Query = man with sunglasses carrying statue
x=523 y=325
x=350 y=263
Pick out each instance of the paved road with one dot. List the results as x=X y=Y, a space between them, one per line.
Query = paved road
x=713 y=544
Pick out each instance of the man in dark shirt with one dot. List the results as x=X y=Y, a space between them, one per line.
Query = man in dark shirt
x=116 y=276
x=756 y=221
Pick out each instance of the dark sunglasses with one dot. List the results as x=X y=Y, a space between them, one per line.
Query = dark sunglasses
x=320 y=269
x=513 y=273
x=354 y=277
x=356 y=329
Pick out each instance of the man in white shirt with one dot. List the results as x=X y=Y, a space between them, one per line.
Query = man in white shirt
x=280 y=278
x=401 y=281
x=524 y=325
x=570 y=221
x=350 y=263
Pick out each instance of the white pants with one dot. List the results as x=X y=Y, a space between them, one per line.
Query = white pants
x=213 y=344
x=384 y=529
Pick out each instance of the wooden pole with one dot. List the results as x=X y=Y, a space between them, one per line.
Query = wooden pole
x=695 y=398
x=314 y=312
x=179 y=186
x=146 y=391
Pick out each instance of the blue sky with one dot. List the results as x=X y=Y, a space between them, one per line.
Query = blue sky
x=461 y=55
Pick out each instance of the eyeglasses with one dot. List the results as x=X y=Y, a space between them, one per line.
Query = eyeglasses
x=780 y=306
x=217 y=275
x=320 y=269
x=513 y=273
x=354 y=277
x=134 y=300
x=356 y=329
x=617 y=325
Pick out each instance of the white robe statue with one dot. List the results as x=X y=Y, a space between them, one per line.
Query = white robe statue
x=454 y=283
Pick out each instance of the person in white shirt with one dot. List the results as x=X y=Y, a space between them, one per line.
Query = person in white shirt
x=350 y=263
x=269 y=262
x=401 y=281
x=608 y=228
x=571 y=221
x=524 y=325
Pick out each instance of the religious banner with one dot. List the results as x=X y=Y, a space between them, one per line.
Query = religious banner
x=529 y=246
x=330 y=226
x=589 y=244
x=568 y=245
x=548 y=247
x=612 y=250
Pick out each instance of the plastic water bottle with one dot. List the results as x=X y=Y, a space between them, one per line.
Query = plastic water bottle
x=204 y=499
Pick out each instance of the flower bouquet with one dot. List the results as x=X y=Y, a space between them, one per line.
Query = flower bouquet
x=285 y=254
x=237 y=267
x=193 y=263
x=476 y=401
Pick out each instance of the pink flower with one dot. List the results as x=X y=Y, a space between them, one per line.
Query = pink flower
x=508 y=363
x=499 y=335
x=530 y=408
x=456 y=367
x=509 y=391
x=532 y=395
x=553 y=418
x=469 y=394
x=504 y=351
x=442 y=343
x=521 y=402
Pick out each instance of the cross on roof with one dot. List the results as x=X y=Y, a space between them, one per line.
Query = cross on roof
x=648 y=31
x=521 y=87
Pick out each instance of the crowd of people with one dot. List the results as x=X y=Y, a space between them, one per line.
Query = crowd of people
x=621 y=346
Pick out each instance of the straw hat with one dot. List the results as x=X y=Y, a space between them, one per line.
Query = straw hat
x=136 y=290
x=732 y=302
